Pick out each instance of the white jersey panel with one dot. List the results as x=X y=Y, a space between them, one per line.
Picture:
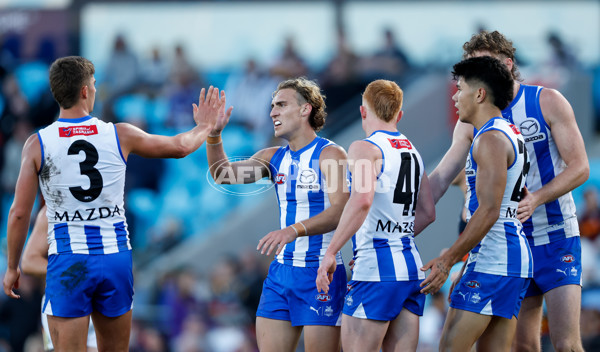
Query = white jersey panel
x=82 y=178
x=384 y=247
x=554 y=220
x=504 y=250
x=302 y=193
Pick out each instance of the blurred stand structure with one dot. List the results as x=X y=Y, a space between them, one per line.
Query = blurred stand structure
x=198 y=278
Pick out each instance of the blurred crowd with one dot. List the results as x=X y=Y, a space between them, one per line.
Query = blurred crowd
x=185 y=310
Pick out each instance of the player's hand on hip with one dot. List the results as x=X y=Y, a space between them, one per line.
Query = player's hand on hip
x=222 y=117
x=276 y=240
x=527 y=206
x=325 y=273
x=11 y=280
x=436 y=279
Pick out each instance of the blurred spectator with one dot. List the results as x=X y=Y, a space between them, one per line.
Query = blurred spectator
x=340 y=78
x=20 y=318
x=432 y=322
x=250 y=93
x=289 y=64
x=561 y=54
x=193 y=335
x=589 y=221
x=184 y=87
x=390 y=61
x=121 y=75
x=590 y=319
x=155 y=72
x=181 y=68
x=12 y=155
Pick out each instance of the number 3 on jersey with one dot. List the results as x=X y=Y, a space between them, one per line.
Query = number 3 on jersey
x=86 y=167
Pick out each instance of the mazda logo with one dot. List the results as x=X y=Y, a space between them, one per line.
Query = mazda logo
x=529 y=127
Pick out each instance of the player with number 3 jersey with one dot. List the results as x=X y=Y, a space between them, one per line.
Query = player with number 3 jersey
x=79 y=162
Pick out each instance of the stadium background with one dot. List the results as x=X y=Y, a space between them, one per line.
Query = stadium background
x=198 y=277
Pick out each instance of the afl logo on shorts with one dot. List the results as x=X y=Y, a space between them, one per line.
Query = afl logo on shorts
x=280 y=179
x=473 y=284
x=323 y=297
x=568 y=258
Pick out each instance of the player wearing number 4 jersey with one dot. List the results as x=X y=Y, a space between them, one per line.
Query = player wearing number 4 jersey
x=487 y=298
x=79 y=163
x=390 y=202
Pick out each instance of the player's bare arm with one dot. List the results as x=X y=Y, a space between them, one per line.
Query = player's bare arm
x=493 y=154
x=332 y=163
x=425 y=211
x=363 y=164
x=559 y=115
x=453 y=161
x=20 y=212
x=136 y=141
x=35 y=255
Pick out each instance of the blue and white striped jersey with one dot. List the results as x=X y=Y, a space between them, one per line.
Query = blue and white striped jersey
x=82 y=178
x=384 y=247
x=554 y=220
x=504 y=250
x=302 y=193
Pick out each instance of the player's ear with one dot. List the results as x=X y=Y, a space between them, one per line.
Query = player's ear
x=363 y=112
x=481 y=94
x=399 y=116
x=84 y=92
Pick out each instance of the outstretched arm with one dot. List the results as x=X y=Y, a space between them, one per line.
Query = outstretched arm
x=222 y=170
x=453 y=161
x=332 y=163
x=136 y=141
x=560 y=117
x=35 y=255
x=492 y=154
x=20 y=212
x=362 y=163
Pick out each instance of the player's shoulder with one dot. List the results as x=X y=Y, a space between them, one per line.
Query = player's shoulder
x=333 y=151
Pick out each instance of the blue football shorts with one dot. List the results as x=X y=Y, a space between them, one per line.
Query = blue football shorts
x=555 y=264
x=290 y=293
x=77 y=284
x=383 y=300
x=489 y=294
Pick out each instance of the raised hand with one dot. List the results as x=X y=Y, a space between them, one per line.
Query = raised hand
x=207 y=110
x=222 y=118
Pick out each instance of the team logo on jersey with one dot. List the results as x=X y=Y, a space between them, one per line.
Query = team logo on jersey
x=307 y=179
x=280 y=179
x=568 y=258
x=77 y=131
x=530 y=128
x=473 y=284
x=323 y=297
x=400 y=143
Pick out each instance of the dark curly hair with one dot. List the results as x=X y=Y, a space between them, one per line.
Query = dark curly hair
x=494 y=42
x=491 y=73
x=308 y=92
